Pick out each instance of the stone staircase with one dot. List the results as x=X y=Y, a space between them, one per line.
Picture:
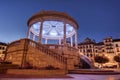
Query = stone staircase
x=28 y=53
x=41 y=56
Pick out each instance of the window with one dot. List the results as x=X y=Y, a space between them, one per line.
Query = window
x=83 y=50
x=118 y=50
x=103 y=51
x=86 y=46
x=89 y=50
x=116 y=45
x=88 y=55
x=80 y=50
x=90 y=46
x=3 y=48
x=96 y=51
x=91 y=55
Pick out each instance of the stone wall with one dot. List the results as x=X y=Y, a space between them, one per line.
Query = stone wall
x=39 y=59
x=15 y=52
x=24 y=54
x=36 y=72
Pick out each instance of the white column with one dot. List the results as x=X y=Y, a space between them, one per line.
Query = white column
x=59 y=41
x=28 y=33
x=46 y=40
x=28 y=36
x=76 y=39
x=71 y=41
x=64 y=34
x=33 y=37
x=40 y=33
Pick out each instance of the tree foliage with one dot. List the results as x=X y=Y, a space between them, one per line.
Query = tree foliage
x=117 y=58
x=101 y=59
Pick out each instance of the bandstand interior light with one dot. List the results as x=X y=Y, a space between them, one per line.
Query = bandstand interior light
x=52 y=29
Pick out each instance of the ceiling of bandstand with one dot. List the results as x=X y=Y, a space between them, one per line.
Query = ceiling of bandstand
x=52 y=29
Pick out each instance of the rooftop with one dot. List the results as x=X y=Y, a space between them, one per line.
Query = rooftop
x=1 y=43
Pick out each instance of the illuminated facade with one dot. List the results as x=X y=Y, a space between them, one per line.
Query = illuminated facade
x=2 y=49
x=109 y=48
x=87 y=47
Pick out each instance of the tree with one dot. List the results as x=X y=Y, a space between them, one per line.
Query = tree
x=117 y=59
x=101 y=59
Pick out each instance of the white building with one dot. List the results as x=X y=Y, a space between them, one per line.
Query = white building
x=109 y=48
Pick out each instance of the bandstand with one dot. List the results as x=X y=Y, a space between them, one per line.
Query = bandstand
x=52 y=40
x=51 y=26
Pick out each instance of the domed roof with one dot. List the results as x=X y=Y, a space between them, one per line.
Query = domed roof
x=52 y=15
x=1 y=43
x=53 y=24
x=116 y=40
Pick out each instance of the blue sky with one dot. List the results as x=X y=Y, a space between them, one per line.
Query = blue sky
x=97 y=19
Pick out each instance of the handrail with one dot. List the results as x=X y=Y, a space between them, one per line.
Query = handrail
x=61 y=47
x=73 y=50
x=27 y=43
x=17 y=42
x=48 y=51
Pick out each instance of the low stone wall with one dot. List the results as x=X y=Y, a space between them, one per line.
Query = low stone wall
x=36 y=72
x=5 y=67
x=8 y=66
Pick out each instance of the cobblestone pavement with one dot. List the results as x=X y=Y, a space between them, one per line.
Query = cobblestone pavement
x=74 y=77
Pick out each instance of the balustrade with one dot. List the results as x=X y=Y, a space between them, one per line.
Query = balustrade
x=15 y=43
x=47 y=51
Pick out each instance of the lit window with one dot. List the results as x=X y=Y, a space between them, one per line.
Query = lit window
x=117 y=49
x=116 y=45
x=3 y=48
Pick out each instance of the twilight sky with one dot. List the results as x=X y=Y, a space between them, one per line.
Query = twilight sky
x=97 y=19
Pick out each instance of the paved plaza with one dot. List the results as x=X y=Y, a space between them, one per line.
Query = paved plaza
x=74 y=77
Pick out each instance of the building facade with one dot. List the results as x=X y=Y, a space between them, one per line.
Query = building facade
x=109 y=47
x=87 y=47
x=3 y=47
